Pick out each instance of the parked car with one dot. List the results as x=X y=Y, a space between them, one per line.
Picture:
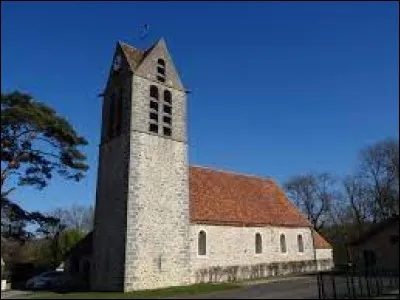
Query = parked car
x=70 y=282
x=46 y=280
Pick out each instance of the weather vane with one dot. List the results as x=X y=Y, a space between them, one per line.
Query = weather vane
x=144 y=31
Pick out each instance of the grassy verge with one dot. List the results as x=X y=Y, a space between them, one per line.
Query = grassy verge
x=158 y=293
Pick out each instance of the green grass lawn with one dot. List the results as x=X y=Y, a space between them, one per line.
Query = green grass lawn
x=159 y=293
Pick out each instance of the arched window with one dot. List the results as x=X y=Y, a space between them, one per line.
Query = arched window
x=258 y=243
x=300 y=243
x=202 y=243
x=283 y=243
x=161 y=62
x=167 y=97
x=154 y=92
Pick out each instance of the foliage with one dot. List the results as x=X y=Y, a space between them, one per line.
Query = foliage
x=36 y=142
x=44 y=252
x=67 y=240
x=52 y=251
x=14 y=221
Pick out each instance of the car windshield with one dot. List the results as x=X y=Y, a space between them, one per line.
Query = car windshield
x=50 y=274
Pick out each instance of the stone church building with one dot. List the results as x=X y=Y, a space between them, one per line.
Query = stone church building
x=159 y=221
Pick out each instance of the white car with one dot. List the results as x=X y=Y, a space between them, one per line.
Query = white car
x=45 y=280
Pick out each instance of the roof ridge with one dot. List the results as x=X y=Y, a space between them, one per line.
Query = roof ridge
x=234 y=173
x=130 y=46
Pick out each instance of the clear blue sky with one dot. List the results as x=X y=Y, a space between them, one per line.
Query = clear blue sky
x=279 y=88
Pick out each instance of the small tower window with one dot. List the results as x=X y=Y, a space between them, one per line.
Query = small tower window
x=161 y=70
x=111 y=118
x=167 y=120
x=283 y=243
x=154 y=92
x=154 y=105
x=167 y=97
x=258 y=243
x=167 y=131
x=154 y=116
x=161 y=62
x=300 y=243
x=202 y=243
x=115 y=114
x=118 y=116
x=167 y=109
x=153 y=127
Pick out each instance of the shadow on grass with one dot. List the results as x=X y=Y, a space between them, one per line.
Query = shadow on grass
x=142 y=294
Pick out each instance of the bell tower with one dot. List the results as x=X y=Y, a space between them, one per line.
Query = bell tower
x=141 y=232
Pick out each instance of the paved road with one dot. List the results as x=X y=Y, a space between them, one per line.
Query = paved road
x=294 y=288
x=289 y=288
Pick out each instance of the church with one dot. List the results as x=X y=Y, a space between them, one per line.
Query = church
x=160 y=221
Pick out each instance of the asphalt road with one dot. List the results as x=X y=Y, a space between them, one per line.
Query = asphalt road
x=294 y=288
x=303 y=287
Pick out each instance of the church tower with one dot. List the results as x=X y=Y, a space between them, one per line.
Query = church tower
x=141 y=230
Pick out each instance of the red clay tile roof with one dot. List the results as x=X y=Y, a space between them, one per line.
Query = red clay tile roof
x=320 y=242
x=225 y=198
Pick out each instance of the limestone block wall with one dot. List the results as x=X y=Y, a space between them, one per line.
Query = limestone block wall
x=107 y=267
x=230 y=252
x=324 y=254
x=325 y=259
x=110 y=217
x=157 y=242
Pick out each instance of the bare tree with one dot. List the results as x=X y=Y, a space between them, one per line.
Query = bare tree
x=76 y=216
x=358 y=200
x=379 y=169
x=313 y=194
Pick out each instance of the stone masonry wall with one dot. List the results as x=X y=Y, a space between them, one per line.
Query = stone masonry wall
x=157 y=248
x=157 y=243
x=324 y=253
x=231 y=250
x=110 y=217
x=108 y=261
x=141 y=110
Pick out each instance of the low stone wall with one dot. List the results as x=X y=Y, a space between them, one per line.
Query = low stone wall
x=325 y=264
x=258 y=271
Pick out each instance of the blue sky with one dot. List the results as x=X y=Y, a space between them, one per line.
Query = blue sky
x=278 y=88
